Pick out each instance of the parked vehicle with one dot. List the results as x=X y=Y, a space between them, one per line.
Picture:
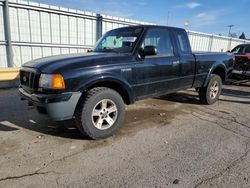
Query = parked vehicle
x=242 y=61
x=126 y=65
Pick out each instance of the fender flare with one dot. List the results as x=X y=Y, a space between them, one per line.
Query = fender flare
x=83 y=86
x=215 y=66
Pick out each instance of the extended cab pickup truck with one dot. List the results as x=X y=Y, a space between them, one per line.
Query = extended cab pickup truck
x=126 y=65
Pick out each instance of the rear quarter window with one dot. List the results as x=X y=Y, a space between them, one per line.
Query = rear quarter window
x=183 y=42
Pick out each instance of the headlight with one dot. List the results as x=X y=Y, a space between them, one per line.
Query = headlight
x=51 y=81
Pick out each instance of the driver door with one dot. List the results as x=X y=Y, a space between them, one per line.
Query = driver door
x=157 y=74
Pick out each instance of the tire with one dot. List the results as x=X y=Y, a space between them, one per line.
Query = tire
x=214 y=86
x=100 y=113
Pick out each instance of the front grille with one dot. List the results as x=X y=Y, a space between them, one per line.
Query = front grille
x=27 y=79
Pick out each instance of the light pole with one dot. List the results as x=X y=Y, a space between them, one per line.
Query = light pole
x=186 y=23
x=230 y=27
x=6 y=20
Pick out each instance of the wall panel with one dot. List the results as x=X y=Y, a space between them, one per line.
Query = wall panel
x=45 y=27
x=17 y=58
x=73 y=30
x=56 y=51
x=14 y=25
x=37 y=52
x=40 y=30
x=219 y=44
x=24 y=26
x=3 y=60
x=2 y=37
x=47 y=51
x=35 y=26
x=64 y=29
x=89 y=32
x=80 y=31
x=55 y=29
x=26 y=54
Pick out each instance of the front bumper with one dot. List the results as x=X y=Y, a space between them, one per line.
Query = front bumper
x=57 y=106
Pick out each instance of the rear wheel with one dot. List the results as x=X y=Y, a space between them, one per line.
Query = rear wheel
x=210 y=94
x=100 y=113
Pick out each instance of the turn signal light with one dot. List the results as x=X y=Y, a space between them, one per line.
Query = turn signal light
x=57 y=82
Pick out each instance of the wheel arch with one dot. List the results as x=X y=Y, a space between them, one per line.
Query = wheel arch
x=220 y=70
x=117 y=84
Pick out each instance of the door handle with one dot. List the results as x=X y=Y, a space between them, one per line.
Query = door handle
x=175 y=63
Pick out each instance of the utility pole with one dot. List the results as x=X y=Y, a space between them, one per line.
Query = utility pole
x=6 y=18
x=230 y=27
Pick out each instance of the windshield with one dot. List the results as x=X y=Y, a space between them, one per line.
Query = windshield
x=121 y=40
x=241 y=49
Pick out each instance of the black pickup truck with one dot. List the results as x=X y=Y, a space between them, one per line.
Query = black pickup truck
x=126 y=65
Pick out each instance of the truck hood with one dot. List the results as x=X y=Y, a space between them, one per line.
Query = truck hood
x=60 y=63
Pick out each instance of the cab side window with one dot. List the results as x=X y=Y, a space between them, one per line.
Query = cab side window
x=160 y=38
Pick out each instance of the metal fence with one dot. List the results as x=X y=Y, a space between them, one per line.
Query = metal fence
x=30 y=30
x=205 y=42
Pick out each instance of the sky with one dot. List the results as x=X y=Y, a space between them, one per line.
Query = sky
x=209 y=16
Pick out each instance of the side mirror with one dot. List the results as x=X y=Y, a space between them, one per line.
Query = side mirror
x=148 y=51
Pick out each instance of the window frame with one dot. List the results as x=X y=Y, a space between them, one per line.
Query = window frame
x=181 y=53
x=133 y=49
x=242 y=49
x=171 y=41
x=247 y=49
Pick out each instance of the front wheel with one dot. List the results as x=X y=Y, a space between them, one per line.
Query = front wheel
x=210 y=94
x=100 y=113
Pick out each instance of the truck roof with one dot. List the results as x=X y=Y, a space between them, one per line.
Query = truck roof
x=248 y=44
x=156 y=26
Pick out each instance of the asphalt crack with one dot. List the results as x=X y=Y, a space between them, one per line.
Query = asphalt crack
x=60 y=159
x=234 y=118
x=209 y=116
x=38 y=172
x=231 y=165
x=24 y=175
